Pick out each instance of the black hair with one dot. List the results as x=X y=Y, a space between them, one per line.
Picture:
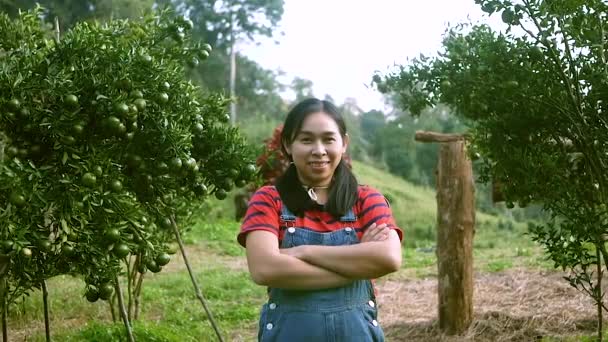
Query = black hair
x=343 y=192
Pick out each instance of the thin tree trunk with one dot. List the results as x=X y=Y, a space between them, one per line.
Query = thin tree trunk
x=123 y=311
x=197 y=290
x=47 y=321
x=599 y=293
x=232 y=71
x=137 y=294
x=4 y=309
x=112 y=311
x=57 y=31
x=129 y=290
x=132 y=285
x=4 y=266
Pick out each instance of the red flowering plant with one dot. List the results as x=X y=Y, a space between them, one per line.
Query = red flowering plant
x=272 y=162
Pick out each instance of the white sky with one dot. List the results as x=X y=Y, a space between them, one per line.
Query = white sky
x=338 y=44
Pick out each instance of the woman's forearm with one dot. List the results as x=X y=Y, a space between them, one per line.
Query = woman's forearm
x=287 y=272
x=360 y=261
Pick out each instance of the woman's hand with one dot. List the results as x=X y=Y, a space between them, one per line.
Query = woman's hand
x=375 y=233
x=296 y=252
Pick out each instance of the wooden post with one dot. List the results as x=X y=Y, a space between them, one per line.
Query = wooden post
x=455 y=230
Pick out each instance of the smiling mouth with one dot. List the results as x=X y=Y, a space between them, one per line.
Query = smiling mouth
x=318 y=164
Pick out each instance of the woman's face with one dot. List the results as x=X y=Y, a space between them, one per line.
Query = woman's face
x=317 y=149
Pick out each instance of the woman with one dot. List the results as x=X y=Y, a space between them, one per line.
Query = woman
x=317 y=238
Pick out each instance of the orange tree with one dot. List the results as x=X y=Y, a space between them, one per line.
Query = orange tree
x=534 y=98
x=106 y=145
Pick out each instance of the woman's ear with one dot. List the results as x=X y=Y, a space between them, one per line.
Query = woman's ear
x=345 y=142
x=287 y=148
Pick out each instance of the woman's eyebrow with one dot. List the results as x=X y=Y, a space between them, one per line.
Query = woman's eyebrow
x=323 y=133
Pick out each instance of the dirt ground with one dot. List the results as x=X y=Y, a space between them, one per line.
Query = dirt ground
x=515 y=305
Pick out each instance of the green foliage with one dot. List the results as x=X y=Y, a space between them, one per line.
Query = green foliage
x=394 y=146
x=258 y=92
x=220 y=24
x=371 y=124
x=216 y=23
x=302 y=88
x=537 y=111
x=106 y=141
x=257 y=89
x=392 y=142
x=69 y=12
x=257 y=129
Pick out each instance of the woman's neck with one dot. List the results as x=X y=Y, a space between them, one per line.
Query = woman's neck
x=318 y=194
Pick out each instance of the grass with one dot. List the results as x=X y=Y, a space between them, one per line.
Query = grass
x=414 y=207
x=219 y=236
x=171 y=312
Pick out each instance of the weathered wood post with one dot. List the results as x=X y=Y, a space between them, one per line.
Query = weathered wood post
x=455 y=230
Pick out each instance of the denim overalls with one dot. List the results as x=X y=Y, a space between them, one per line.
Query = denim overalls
x=344 y=314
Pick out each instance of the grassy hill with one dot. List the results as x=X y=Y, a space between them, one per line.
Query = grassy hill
x=413 y=206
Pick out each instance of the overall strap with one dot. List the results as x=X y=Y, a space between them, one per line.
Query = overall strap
x=286 y=214
x=349 y=216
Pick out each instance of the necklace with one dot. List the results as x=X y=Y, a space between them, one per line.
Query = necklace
x=311 y=191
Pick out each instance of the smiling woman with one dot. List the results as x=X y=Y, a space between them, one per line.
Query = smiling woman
x=317 y=238
x=317 y=150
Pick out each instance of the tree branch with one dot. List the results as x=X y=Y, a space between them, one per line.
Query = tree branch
x=197 y=290
x=602 y=50
x=123 y=311
x=571 y=64
x=552 y=53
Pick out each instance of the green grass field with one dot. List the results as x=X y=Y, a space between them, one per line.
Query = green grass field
x=171 y=312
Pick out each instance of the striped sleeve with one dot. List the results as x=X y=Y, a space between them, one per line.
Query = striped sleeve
x=374 y=208
x=262 y=213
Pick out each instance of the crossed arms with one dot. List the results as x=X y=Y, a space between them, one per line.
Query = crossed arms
x=319 y=267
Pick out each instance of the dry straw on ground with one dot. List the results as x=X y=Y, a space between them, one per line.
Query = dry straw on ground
x=517 y=305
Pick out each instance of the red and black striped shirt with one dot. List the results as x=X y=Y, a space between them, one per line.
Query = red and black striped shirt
x=263 y=213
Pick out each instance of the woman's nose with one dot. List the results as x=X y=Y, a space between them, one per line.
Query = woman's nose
x=319 y=149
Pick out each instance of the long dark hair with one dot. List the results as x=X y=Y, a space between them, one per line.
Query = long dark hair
x=343 y=191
